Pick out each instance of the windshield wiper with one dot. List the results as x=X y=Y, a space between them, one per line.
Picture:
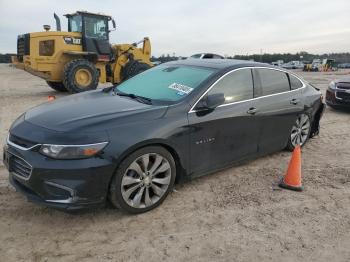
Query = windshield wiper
x=140 y=99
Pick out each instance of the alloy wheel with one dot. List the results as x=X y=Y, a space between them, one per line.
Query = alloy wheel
x=146 y=180
x=300 y=130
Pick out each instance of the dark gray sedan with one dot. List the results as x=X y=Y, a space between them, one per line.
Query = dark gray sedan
x=128 y=144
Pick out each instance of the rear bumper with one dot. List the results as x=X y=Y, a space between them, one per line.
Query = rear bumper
x=315 y=130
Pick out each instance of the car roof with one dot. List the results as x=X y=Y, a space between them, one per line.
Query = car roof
x=220 y=64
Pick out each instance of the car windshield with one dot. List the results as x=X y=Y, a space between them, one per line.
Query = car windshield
x=166 y=82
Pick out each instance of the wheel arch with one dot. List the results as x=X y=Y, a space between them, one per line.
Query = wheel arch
x=180 y=166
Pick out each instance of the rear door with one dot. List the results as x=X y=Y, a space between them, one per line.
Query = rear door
x=229 y=132
x=277 y=108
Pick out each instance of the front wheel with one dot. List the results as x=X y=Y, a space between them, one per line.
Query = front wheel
x=143 y=180
x=300 y=132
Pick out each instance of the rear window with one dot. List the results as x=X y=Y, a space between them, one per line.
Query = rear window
x=273 y=81
x=295 y=83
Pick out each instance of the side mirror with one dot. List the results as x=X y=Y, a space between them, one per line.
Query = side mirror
x=211 y=101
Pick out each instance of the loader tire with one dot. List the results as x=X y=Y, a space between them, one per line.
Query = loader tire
x=58 y=86
x=80 y=75
x=133 y=68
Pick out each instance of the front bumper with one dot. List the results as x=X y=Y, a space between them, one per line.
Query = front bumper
x=338 y=98
x=62 y=184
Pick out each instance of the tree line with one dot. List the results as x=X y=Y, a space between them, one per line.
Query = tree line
x=301 y=56
x=265 y=58
x=269 y=58
x=5 y=58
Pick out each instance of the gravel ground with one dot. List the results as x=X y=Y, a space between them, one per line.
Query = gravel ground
x=235 y=215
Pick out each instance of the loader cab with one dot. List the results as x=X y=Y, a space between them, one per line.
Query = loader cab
x=94 y=30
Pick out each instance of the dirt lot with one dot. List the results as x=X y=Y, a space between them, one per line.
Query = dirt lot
x=235 y=215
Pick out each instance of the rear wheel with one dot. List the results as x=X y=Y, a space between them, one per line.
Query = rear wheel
x=300 y=132
x=80 y=75
x=143 y=180
x=133 y=68
x=58 y=86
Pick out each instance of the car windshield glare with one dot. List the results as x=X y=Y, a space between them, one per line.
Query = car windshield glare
x=168 y=83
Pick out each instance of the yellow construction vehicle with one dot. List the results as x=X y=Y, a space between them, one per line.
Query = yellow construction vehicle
x=79 y=59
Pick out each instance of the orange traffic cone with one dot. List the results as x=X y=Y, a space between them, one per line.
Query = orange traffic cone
x=292 y=179
x=51 y=98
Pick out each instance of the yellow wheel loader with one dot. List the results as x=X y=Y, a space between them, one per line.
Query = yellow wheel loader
x=79 y=59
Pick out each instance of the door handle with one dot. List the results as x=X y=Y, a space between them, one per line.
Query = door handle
x=294 y=101
x=252 y=111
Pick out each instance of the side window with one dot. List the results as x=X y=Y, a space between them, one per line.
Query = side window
x=236 y=86
x=273 y=81
x=96 y=27
x=295 y=83
x=217 y=57
x=208 y=56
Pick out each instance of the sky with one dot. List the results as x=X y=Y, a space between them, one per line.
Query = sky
x=186 y=27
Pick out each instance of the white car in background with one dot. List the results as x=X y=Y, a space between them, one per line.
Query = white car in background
x=293 y=65
x=206 y=56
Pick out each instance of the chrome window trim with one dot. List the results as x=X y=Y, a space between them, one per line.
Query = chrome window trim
x=9 y=142
x=251 y=99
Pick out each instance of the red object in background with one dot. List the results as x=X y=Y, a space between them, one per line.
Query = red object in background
x=51 y=98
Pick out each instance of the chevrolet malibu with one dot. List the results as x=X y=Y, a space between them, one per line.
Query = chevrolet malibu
x=128 y=144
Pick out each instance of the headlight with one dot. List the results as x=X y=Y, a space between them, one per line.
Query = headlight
x=72 y=151
x=332 y=85
x=46 y=48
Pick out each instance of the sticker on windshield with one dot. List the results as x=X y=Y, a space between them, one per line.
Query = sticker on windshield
x=182 y=89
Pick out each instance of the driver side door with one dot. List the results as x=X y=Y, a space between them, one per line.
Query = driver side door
x=229 y=132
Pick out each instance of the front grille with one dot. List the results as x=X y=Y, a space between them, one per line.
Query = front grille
x=343 y=85
x=23 y=46
x=21 y=142
x=343 y=95
x=19 y=166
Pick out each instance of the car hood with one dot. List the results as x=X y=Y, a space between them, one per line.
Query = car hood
x=91 y=111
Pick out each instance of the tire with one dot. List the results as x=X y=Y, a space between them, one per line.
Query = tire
x=80 y=75
x=129 y=188
x=58 y=86
x=299 y=132
x=133 y=68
